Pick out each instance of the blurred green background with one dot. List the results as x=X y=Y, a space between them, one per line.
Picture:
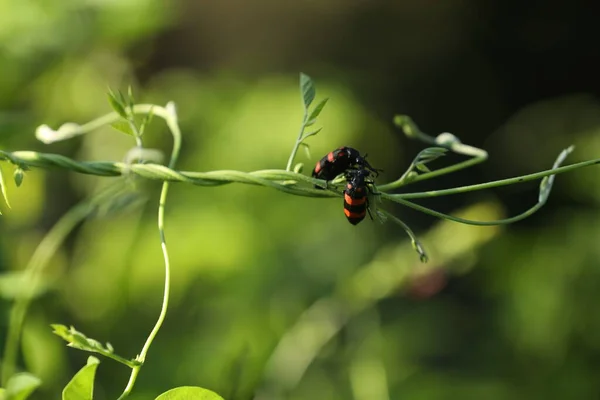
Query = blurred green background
x=495 y=314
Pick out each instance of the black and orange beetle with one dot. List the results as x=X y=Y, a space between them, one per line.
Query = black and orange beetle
x=356 y=200
x=339 y=161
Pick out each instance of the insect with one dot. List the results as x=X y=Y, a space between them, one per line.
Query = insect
x=356 y=201
x=338 y=161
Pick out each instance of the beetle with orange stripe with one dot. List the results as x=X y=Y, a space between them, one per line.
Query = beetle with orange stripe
x=339 y=161
x=356 y=200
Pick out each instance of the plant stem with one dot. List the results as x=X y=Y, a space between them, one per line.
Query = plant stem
x=298 y=142
x=429 y=175
x=488 y=185
x=173 y=125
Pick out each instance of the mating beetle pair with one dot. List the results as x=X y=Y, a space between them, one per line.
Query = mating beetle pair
x=358 y=176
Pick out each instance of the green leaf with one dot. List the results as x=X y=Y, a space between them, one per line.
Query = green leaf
x=308 y=90
x=548 y=181
x=426 y=156
x=81 y=387
x=3 y=189
x=316 y=112
x=189 y=393
x=311 y=134
x=130 y=99
x=20 y=386
x=116 y=104
x=78 y=340
x=123 y=126
x=422 y=167
x=147 y=119
x=18 y=176
x=306 y=149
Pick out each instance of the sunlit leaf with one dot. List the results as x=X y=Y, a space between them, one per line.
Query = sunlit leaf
x=316 y=112
x=116 y=104
x=308 y=90
x=189 y=393
x=20 y=386
x=78 y=340
x=123 y=126
x=81 y=387
x=307 y=135
x=146 y=121
x=130 y=99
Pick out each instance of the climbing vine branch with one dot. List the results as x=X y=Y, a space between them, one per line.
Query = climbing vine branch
x=141 y=163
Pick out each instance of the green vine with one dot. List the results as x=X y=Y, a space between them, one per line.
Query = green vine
x=125 y=118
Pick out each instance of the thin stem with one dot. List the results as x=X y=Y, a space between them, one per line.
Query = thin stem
x=271 y=177
x=40 y=258
x=174 y=127
x=416 y=244
x=438 y=214
x=298 y=142
x=118 y=358
x=429 y=175
x=488 y=185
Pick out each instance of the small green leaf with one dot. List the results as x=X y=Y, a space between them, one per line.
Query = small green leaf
x=130 y=99
x=81 y=387
x=78 y=340
x=316 y=112
x=430 y=154
x=20 y=386
x=306 y=149
x=116 y=104
x=307 y=88
x=313 y=133
x=147 y=119
x=298 y=168
x=3 y=189
x=548 y=181
x=123 y=126
x=422 y=167
x=189 y=393
x=426 y=156
x=122 y=99
x=18 y=176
